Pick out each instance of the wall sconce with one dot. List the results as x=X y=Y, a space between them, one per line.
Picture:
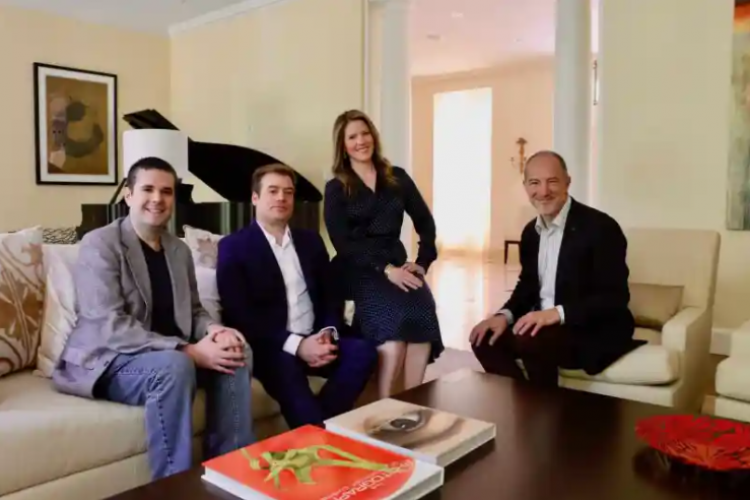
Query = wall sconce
x=521 y=142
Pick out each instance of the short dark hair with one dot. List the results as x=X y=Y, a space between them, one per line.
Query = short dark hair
x=149 y=163
x=546 y=152
x=273 y=168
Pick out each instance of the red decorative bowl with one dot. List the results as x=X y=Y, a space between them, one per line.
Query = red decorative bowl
x=712 y=443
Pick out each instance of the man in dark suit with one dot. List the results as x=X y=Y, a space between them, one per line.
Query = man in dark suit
x=274 y=286
x=570 y=306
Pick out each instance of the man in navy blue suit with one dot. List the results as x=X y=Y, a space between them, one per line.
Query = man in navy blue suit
x=275 y=288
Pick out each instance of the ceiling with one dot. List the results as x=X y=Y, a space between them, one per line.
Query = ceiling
x=155 y=16
x=446 y=35
x=460 y=35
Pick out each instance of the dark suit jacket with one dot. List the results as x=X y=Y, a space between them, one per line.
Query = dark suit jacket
x=591 y=285
x=252 y=289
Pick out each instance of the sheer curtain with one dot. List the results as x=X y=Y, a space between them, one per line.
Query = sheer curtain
x=462 y=169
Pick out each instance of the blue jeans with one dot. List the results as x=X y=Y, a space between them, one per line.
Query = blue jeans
x=165 y=383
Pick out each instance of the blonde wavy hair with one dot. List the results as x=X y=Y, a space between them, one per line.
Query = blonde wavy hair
x=342 y=167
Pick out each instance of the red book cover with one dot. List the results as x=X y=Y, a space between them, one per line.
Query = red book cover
x=310 y=463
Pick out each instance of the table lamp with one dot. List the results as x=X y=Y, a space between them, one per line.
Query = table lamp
x=168 y=145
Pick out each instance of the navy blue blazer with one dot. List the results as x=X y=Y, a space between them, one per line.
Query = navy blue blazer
x=252 y=289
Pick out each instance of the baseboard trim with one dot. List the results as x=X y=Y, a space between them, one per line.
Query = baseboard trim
x=721 y=341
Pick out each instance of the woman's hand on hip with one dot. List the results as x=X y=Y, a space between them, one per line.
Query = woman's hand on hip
x=414 y=268
x=402 y=278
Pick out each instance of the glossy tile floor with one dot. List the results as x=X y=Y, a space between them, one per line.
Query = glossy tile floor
x=466 y=290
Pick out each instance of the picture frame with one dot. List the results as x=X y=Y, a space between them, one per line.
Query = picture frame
x=75 y=114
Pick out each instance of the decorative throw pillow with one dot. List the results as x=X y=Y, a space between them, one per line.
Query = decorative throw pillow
x=59 y=316
x=654 y=305
x=204 y=246
x=209 y=292
x=59 y=235
x=21 y=298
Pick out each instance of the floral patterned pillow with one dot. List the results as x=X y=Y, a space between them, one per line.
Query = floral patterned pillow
x=59 y=235
x=204 y=246
x=21 y=298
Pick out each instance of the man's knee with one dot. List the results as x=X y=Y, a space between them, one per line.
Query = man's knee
x=358 y=352
x=174 y=368
x=243 y=375
x=278 y=369
x=486 y=351
x=547 y=344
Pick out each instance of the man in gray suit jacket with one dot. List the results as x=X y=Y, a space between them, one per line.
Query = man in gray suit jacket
x=142 y=337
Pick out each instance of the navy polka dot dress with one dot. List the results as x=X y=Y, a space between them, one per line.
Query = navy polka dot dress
x=365 y=229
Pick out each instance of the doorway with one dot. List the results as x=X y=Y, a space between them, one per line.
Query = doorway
x=462 y=170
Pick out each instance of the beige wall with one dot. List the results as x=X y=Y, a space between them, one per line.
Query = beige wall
x=664 y=118
x=522 y=107
x=271 y=80
x=141 y=63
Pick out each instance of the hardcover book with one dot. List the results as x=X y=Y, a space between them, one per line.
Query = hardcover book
x=427 y=434
x=310 y=463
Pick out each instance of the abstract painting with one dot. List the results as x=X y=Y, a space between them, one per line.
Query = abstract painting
x=738 y=185
x=76 y=126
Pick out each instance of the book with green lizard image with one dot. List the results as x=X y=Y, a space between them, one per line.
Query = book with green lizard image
x=310 y=463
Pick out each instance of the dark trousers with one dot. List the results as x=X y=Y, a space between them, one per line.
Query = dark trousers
x=551 y=348
x=284 y=377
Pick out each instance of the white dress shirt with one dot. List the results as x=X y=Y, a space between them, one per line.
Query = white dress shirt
x=301 y=315
x=550 y=240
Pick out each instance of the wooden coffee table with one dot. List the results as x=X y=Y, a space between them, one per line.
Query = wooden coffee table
x=551 y=444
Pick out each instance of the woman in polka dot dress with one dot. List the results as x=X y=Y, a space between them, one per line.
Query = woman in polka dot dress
x=364 y=210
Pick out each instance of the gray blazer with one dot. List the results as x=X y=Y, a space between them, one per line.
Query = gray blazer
x=113 y=292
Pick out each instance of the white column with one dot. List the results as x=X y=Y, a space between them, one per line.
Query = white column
x=573 y=75
x=395 y=91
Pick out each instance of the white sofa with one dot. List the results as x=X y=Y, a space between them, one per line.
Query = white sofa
x=59 y=447
x=672 y=285
x=733 y=378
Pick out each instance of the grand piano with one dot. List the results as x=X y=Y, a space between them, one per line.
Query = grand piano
x=225 y=168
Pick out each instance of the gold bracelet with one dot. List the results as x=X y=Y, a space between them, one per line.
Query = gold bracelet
x=387 y=269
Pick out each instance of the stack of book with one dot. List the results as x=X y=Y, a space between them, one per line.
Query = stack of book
x=387 y=450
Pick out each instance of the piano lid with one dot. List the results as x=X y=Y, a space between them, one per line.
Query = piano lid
x=225 y=168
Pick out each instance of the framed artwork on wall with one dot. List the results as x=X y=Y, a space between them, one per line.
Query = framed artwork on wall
x=76 y=126
x=737 y=216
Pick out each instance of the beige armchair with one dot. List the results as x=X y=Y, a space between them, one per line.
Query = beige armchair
x=672 y=286
x=733 y=378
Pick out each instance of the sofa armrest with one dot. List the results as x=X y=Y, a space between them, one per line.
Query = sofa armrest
x=688 y=329
x=740 y=343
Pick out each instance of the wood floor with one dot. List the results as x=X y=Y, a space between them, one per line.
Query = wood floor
x=466 y=290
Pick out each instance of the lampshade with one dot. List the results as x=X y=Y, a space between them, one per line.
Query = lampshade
x=168 y=145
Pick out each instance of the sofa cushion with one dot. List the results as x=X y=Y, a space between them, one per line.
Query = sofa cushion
x=208 y=290
x=204 y=246
x=733 y=378
x=60 y=435
x=59 y=316
x=21 y=298
x=653 y=305
x=650 y=364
